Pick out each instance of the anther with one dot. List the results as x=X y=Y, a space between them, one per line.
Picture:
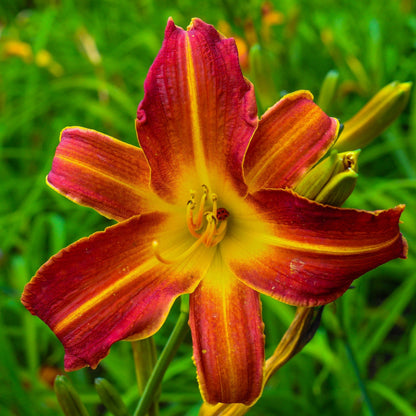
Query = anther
x=348 y=161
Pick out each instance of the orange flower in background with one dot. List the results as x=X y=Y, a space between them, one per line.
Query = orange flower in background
x=205 y=207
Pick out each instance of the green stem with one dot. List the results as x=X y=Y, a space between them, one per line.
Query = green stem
x=361 y=383
x=144 y=353
x=353 y=361
x=164 y=360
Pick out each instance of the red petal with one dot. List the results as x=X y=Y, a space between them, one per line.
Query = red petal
x=292 y=136
x=227 y=333
x=198 y=112
x=307 y=254
x=109 y=287
x=100 y=172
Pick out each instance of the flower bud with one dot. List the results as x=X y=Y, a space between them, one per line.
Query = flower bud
x=375 y=116
x=68 y=398
x=338 y=189
x=313 y=182
x=328 y=90
x=332 y=180
x=110 y=397
x=261 y=74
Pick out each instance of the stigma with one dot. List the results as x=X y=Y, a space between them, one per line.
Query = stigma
x=205 y=221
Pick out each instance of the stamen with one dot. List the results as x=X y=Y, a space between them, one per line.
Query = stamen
x=190 y=219
x=220 y=233
x=200 y=215
x=183 y=256
x=211 y=229
x=214 y=204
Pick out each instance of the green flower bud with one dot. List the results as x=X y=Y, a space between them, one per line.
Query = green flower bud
x=261 y=74
x=110 y=397
x=338 y=189
x=68 y=398
x=375 y=116
x=313 y=182
x=332 y=180
x=328 y=90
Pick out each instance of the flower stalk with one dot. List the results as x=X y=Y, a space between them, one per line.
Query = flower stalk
x=171 y=347
x=144 y=354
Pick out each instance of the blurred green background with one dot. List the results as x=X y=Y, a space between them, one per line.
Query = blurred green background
x=83 y=63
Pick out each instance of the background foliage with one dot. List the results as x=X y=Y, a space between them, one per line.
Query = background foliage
x=68 y=62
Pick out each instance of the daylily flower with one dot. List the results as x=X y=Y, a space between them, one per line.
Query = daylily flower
x=205 y=207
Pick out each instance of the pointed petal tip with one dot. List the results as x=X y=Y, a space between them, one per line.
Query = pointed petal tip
x=199 y=24
x=170 y=27
x=195 y=24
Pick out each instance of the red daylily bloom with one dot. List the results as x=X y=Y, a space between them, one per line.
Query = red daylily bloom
x=204 y=207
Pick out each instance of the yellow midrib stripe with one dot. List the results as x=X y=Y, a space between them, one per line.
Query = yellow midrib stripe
x=322 y=248
x=199 y=154
x=89 y=304
x=285 y=142
x=99 y=173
